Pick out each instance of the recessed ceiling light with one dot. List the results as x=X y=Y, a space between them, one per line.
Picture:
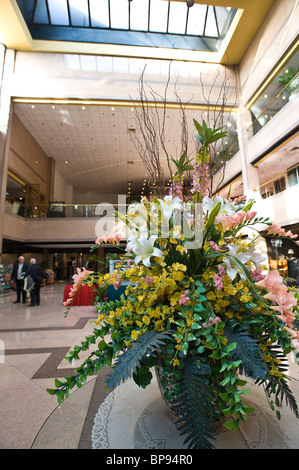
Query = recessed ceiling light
x=32 y=106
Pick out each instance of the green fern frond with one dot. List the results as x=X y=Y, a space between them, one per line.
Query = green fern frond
x=278 y=386
x=247 y=350
x=193 y=409
x=126 y=364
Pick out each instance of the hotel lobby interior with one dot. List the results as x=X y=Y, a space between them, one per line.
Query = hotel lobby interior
x=77 y=82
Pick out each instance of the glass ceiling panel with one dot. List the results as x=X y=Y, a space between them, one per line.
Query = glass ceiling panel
x=41 y=14
x=127 y=20
x=222 y=18
x=99 y=13
x=211 y=27
x=139 y=15
x=177 y=18
x=158 y=16
x=79 y=12
x=196 y=21
x=119 y=11
x=58 y=12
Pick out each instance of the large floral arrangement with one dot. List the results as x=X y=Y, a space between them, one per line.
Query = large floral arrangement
x=198 y=307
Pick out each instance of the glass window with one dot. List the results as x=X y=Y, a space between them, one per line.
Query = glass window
x=41 y=14
x=139 y=15
x=211 y=26
x=293 y=176
x=99 y=13
x=158 y=16
x=196 y=20
x=58 y=12
x=79 y=12
x=145 y=16
x=280 y=185
x=177 y=18
x=119 y=11
x=281 y=90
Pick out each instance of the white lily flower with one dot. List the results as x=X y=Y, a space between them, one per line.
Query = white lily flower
x=167 y=206
x=145 y=249
x=232 y=267
x=134 y=236
x=256 y=257
x=137 y=214
x=226 y=207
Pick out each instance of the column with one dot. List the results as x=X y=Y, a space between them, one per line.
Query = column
x=7 y=58
x=249 y=173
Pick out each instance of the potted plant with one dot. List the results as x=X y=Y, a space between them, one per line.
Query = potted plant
x=198 y=310
x=289 y=77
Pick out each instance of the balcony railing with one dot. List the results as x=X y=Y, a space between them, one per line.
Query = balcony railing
x=60 y=210
x=283 y=88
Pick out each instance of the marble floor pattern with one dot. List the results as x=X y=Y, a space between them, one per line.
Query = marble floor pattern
x=33 y=344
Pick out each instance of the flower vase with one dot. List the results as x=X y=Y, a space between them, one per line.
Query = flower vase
x=218 y=425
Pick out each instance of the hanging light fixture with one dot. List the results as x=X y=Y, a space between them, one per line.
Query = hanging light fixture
x=190 y=3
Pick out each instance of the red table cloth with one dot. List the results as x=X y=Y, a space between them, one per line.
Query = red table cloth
x=86 y=295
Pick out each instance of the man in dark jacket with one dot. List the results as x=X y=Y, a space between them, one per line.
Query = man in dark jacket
x=18 y=271
x=35 y=271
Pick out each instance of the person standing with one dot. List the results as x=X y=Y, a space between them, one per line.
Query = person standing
x=18 y=271
x=35 y=271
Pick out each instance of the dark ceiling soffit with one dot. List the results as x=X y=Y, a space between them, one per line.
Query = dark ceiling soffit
x=127 y=38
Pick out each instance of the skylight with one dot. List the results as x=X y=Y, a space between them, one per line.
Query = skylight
x=154 y=23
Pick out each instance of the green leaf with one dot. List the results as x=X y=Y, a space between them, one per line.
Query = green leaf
x=126 y=364
x=143 y=376
x=246 y=349
x=197 y=317
x=193 y=407
x=58 y=383
x=232 y=425
x=199 y=307
x=230 y=347
x=184 y=347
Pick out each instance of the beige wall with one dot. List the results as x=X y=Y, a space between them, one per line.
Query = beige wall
x=62 y=191
x=60 y=230
x=278 y=31
x=37 y=74
x=28 y=161
x=23 y=155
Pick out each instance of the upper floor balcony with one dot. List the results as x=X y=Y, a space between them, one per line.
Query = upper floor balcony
x=60 y=223
x=90 y=222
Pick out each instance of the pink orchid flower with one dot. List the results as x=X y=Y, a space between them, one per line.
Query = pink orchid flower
x=273 y=282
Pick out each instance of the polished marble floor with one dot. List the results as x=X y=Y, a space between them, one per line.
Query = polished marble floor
x=33 y=344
